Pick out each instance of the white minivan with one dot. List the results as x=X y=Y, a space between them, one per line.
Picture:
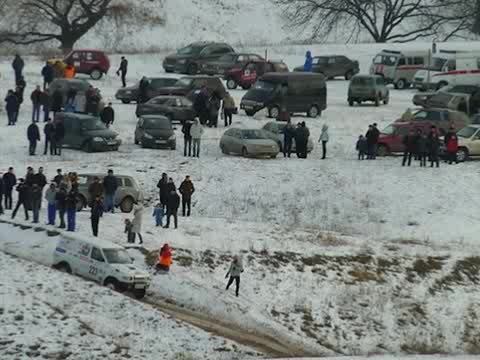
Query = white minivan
x=102 y=261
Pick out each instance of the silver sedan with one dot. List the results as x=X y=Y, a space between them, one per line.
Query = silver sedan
x=248 y=143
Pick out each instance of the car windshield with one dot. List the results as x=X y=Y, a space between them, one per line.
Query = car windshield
x=157 y=124
x=467 y=132
x=363 y=81
x=388 y=60
x=428 y=115
x=189 y=50
x=437 y=64
x=184 y=82
x=320 y=60
x=117 y=256
x=227 y=58
x=264 y=85
x=94 y=124
x=253 y=134
x=389 y=130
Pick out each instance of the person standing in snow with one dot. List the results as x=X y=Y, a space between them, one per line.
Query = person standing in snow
x=361 y=147
x=228 y=109
x=33 y=135
x=2 y=190
x=301 y=140
x=137 y=221
x=19 y=92
x=9 y=182
x=60 y=204
x=201 y=105
x=307 y=66
x=143 y=90
x=108 y=115
x=110 y=185
x=49 y=134
x=165 y=258
x=214 y=108
x=451 y=142
x=95 y=189
x=235 y=270
x=422 y=148
x=71 y=207
x=173 y=204
x=186 y=189
x=36 y=200
x=96 y=213
x=45 y=103
x=47 y=74
x=23 y=199
x=324 y=137
x=18 y=64
x=122 y=70
x=158 y=214
x=196 y=131
x=370 y=137
x=410 y=144
x=163 y=190
x=128 y=230
x=288 y=137
x=187 y=138
x=433 y=146
x=36 y=98
x=11 y=107
x=50 y=196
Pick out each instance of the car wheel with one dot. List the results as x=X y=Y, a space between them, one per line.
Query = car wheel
x=244 y=152
x=81 y=203
x=382 y=150
x=350 y=102
x=192 y=69
x=273 y=112
x=96 y=74
x=139 y=294
x=231 y=84
x=113 y=284
x=249 y=112
x=126 y=101
x=386 y=100
x=377 y=102
x=87 y=146
x=273 y=156
x=401 y=84
x=462 y=154
x=224 y=149
x=349 y=75
x=313 y=111
x=64 y=267
x=126 y=205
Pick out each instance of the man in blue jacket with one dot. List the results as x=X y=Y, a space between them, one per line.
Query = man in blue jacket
x=307 y=67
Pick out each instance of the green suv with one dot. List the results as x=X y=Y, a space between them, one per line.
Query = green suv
x=368 y=88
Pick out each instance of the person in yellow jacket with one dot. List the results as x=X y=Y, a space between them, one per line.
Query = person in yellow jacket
x=69 y=72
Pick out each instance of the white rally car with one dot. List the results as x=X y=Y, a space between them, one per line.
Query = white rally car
x=102 y=261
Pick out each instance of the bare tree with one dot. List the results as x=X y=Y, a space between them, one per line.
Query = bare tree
x=383 y=20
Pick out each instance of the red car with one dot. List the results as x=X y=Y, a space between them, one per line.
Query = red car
x=91 y=62
x=391 y=138
x=246 y=75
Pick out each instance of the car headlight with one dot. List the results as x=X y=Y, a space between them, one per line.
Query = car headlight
x=183 y=61
x=147 y=136
x=98 y=139
x=172 y=137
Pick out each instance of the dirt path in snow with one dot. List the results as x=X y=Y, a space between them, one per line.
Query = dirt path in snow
x=275 y=347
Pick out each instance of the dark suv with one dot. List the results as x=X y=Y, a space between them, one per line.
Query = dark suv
x=188 y=85
x=188 y=60
x=227 y=62
x=333 y=66
x=130 y=93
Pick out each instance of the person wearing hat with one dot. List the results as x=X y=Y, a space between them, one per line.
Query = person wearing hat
x=108 y=115
x=95 y=189
x=122 y=70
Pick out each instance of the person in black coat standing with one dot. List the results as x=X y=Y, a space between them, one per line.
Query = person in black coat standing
x=122 y=70
x=433 y=146
x=301 y=140
x=36 y=201
x=11 y=107
x=2 y=187
x=96 y=214
x=18 y=64
x=49 y=134
x=45 y=102
x=187 y=138
x=36 y=98
x=23 y=198
x=201 y=105
x=410 y=144
x=60 y=202
x=59 y=135
x=110 y=185
x=143 y=90
x=47 y=74
x=288 y=137
x=19 y=92
x=9 y=182
x=163 y=187
x=173 y=202
x=108 y=115
x=33 y=135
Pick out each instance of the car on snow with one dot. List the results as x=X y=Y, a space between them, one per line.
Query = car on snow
x=276 y=131
x=391 y=137
x=87 y=132
x=127 y=194
x=248 y=143
x=227 y=62
x=247 y=74
x=65 y=85
x=468 y=143
x=101 y=261
x=333 y=66
x=188 y=86
x=176 y=108
x=155 y=131
x=86 y=61
x=189 y=59
x=443 y=119
x=368 y=88
x=464 y=98
x=130 y=93
x=299 y=91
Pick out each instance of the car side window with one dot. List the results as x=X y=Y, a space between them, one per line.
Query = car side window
x=241 y=58
x=401 y=62
x=76 y=55
x=97 y=255
x=341 y=59
x=128 y=182
x=418 y=60
x=230 y=132
x=331 y=61
x=89 y=56
x=254 y=57
x=119 y=182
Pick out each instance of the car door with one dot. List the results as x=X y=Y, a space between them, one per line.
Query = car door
x=139 y=130
x=97 y=268
x=77 y=130
x=182 y=112
x=342 y=66
x=330 y=69
x=208 y=54
x=475 y=144
x=120 y=193
x=68 y=139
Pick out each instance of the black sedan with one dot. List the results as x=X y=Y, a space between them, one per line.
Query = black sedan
x=227 y=62
x=176 y=108
x=155 y=132
x=130 y=93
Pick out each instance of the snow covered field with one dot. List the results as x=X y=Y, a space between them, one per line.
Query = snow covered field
x=346 y=257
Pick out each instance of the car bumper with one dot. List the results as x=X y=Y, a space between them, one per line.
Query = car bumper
x=251 y=106
x=106 y=145
x=158 y=143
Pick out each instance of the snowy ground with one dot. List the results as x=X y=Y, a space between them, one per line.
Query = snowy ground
x=355 y=257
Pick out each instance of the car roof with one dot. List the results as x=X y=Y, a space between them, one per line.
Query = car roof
x=79 y=116
x=206 y=43
x=103 y=244
x=155 y=117
x=101 y=176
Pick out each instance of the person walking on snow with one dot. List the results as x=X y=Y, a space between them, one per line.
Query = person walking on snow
x=324 y=137
x=18 y=64
x=158 y=214
x=47 y=74
x=236 y=268
x=50 y=196
x=33 y=134
x=108 y=115
x=196 y=131
x=23 y=199
x=228 y=109
x=187 y=138
x=96 y=213
x=36 y=98
x=186 y=189
x=122 y=70
x=307 y=66
x=137 y=221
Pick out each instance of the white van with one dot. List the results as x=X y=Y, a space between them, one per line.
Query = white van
x=399 y=67
x=444 y=60
x=102 y=261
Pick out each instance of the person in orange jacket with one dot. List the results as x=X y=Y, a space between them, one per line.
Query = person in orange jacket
x=165 y=258
x=69 y=72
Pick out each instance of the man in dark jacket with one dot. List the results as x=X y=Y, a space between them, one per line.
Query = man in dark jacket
x=108 y=115
x=214 y=103
x=33 y=135
x=36 y=201
x=163 y=187
x=301 y=140
x=60 y=199
x=23 y=199
x=18 y=64
x=201 y=105
x=11 y=107
x=57 y=101
x=45 y=102
x=122 y=70
x=422 y=148
x=95 y=189
x=173 y=202
x=36 y=97
x=49 y=134
x=186 y=189
x=433 y=146
x=19 y=92
x=110 y=186
x=143 y=90
x=2 y=187
x=59 y=135
x=187 y=138
x=39 y=178
x=29 y=176
x=71 y=208
x=47 y=74
x=288 y=137
x=372 y=137
x=96 y=213
x=410 y=143
x=9 y=182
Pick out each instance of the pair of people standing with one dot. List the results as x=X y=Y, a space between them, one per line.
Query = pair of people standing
x=192 y=133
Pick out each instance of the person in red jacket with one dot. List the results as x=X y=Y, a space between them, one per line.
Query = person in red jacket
x=451 y=142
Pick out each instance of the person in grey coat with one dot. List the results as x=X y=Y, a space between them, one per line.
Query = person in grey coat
x=137 y=221
x=236 y=268
x=51 y=196
x=324 y=137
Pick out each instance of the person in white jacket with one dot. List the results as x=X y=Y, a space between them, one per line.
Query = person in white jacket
x=196 y=131
x=324 y=139
x=137 y=221
x=235 y=270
